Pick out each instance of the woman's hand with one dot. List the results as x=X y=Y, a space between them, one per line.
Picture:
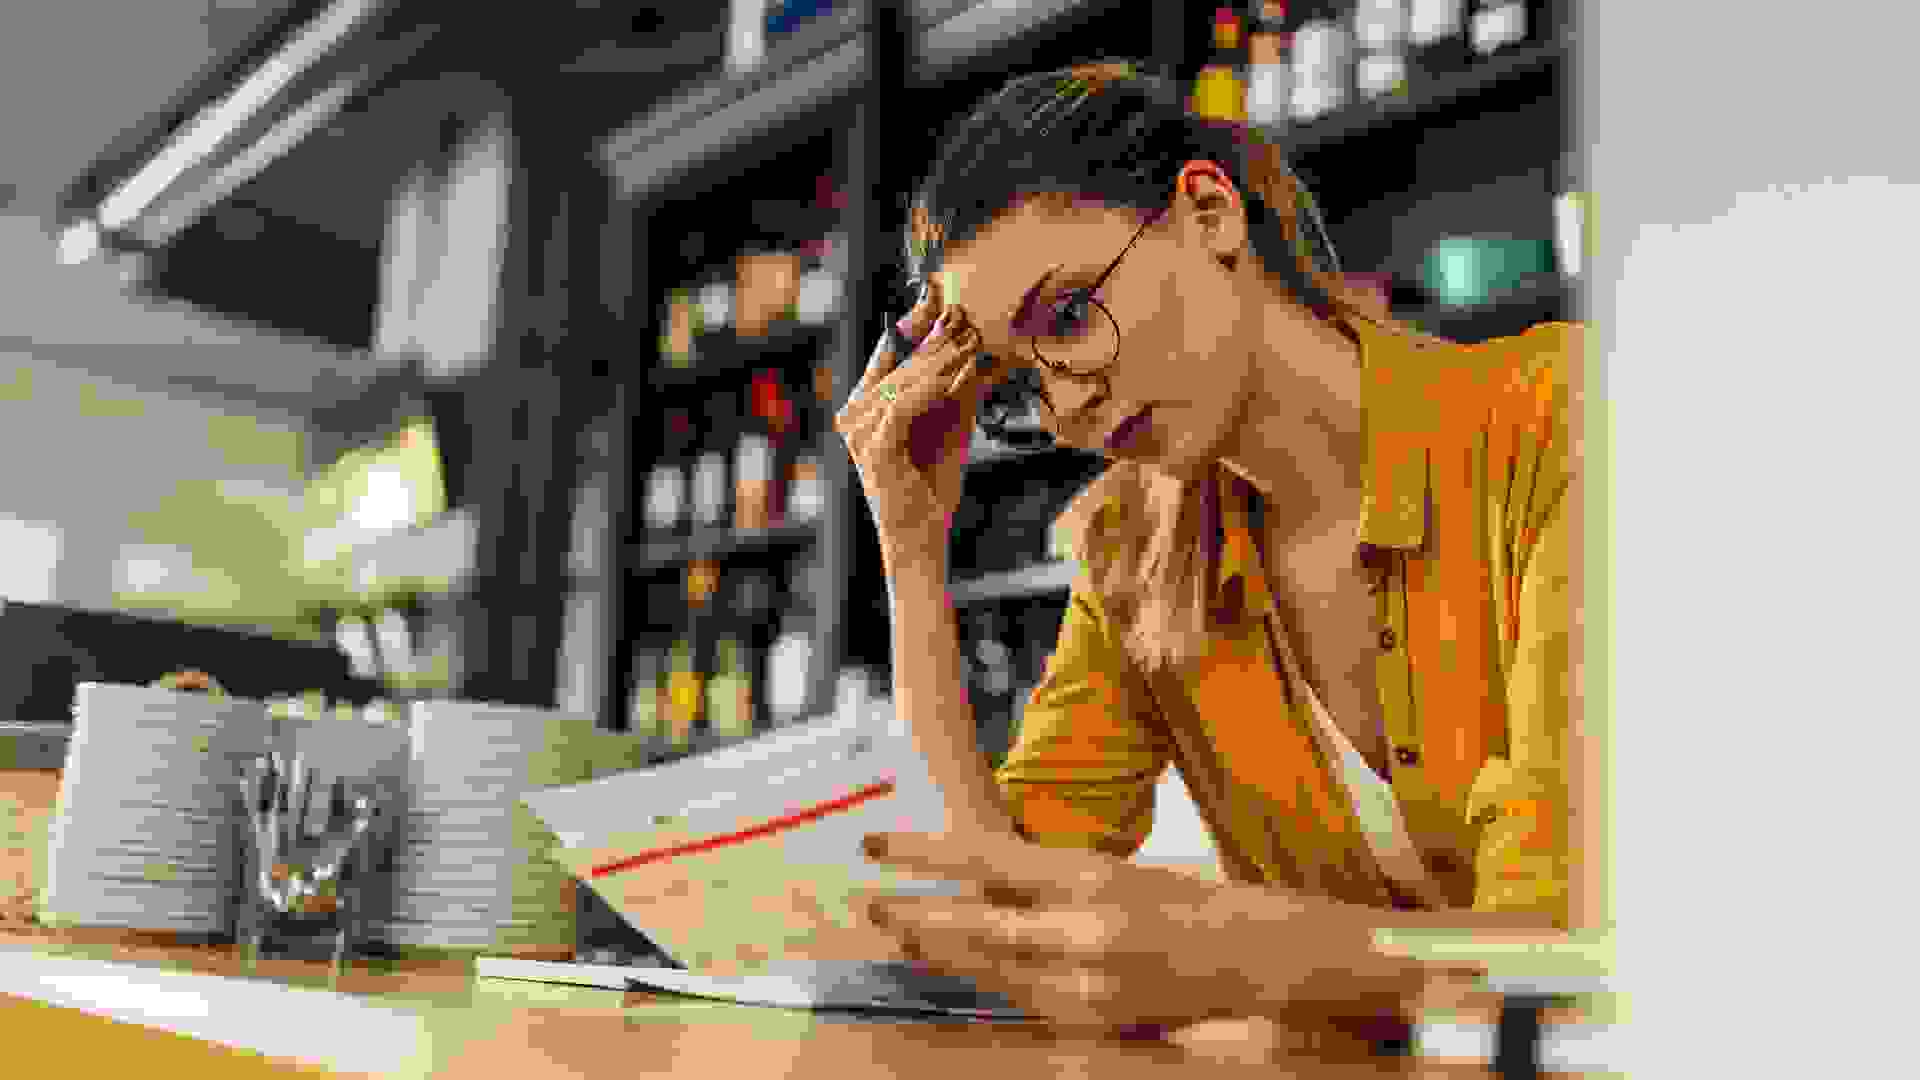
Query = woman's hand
x=907 y=426
x=1088 y=940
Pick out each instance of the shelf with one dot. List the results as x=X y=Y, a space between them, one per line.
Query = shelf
x=1423 y=101
x=822 y=63
x=717 y=544
x=718 y=357
x=1042 y=580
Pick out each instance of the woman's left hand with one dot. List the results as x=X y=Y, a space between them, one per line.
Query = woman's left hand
x=1092 y=941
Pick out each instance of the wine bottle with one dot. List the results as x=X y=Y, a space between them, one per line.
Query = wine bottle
x=1437 y=35
x=1323 y=58
x=712 y=497
x=822 y=279
x=681 y=318
x=1269 y=82
x=668 y=497
x=729 y=695
x=806 y=494
x=1220 y=90
x=645 y=715
x=686 y=692
x=1380 y=34
x=1498 y=24
x=754 y=460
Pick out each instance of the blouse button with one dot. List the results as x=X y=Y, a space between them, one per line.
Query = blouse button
x=1388 y=639
x=1406 y=755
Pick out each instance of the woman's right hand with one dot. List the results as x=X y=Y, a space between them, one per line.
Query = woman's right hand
x=907 y=426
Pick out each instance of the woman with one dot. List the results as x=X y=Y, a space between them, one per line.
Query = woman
x=1325 y=575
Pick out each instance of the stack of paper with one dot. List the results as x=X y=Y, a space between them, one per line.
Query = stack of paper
x=144 y=833
x=471 y=867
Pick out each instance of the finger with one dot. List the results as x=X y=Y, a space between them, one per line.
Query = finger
x=1048 y=935
x=1004 y=861
x=915 y=326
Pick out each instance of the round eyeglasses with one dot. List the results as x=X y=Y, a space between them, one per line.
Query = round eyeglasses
x=1076 y=337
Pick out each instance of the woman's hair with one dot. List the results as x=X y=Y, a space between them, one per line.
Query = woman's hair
x=1110 y=135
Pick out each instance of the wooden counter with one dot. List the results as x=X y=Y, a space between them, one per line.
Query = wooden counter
x=455 y=1025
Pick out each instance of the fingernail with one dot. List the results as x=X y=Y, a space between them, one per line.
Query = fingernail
x=939 y=326
x=905 y=326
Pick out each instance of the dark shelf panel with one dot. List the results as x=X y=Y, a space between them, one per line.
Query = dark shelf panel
x=1426 y=98
x=720 y=357
x=716 y=544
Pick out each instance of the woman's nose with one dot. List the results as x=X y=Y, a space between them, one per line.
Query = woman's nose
x=1071 y=398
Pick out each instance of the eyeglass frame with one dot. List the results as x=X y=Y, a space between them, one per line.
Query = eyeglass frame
x=1033 y=339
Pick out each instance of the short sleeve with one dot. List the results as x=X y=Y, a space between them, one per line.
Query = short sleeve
x=1091 y=747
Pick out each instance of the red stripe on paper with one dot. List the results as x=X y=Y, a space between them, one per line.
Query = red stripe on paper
x=765 y=828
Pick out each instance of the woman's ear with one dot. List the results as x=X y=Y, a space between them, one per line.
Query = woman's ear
x=1210 y=205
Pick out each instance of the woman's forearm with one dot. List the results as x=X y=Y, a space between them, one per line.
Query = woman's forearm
x=931 y=696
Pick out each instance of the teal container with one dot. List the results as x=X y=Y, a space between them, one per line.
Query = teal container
x=1462 y=271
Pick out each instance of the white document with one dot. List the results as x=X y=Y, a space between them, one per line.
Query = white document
x=748 y=857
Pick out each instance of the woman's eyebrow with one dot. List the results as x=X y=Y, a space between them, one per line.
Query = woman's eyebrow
x=1026 y=302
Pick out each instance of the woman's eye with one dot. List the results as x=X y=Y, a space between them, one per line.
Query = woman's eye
x=1070 y=314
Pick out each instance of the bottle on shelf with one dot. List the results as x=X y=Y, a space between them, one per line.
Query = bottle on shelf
x=1380 y=35
x=729 y=690
x=712 y=487
x=806 y=496
x=1269 y=74
x=823 y=274
x=752 y=610
x=755 y=457
x=681 y=319
x=1323 y=63
x=1220 y=90
x=1437 y=36
x=715 y=305
x=1498 y=24
x=649 y=703
x=768 y=288
x=775 y=400
x=667 y=507
x=692 y=657
x=793 y=659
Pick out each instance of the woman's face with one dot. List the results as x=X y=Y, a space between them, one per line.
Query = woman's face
x=1187 y=341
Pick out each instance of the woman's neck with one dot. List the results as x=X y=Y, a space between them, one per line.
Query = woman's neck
x=1301 y=441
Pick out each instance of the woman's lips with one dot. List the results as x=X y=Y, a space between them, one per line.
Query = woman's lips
x=1130 y=430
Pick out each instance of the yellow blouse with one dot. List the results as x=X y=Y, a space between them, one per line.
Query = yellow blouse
x=1467 y=485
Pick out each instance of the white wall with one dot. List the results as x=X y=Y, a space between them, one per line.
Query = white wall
x=89 y=458
x=1759 y=206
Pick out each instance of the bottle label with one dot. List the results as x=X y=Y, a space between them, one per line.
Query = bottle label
x=1380 y=73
